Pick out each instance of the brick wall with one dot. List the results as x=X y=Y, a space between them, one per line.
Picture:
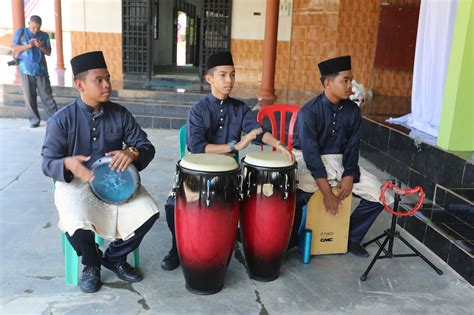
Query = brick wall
x=109 y=43
x=247 y=56
x=6 y=40
x=321 y=30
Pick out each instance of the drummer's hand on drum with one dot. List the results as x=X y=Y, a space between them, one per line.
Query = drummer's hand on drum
x=331 y=202
x=247 y=139
x=345 y=187
x=283 y=150
x=75 y=165
x=121 y=159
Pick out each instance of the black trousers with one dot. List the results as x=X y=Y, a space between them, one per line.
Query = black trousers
x=31 y=84
x=361 y=219
x=83 y=242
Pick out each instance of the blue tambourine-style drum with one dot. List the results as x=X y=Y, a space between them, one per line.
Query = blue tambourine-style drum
x=111 y=186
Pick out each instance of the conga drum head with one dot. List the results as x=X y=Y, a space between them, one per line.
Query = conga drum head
x=208 y=163
x=268 y=159
x=111 y=186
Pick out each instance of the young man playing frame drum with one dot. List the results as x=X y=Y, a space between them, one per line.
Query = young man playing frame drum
x=76 y=136
x=215 y=124
x=328 y=137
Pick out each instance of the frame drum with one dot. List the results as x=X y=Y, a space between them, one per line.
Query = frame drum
x=111 y=186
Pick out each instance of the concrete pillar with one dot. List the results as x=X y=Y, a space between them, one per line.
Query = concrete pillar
x=18 y=14
x=267 y=91
x=456 y=129
x=59 y=35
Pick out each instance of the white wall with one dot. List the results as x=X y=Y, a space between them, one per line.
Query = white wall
x=6 y=19
x=104 y=16
x=44 y=8
x=246 y=25
x=77 y=15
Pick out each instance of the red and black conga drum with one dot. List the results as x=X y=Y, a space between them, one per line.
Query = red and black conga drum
x=206 y=218
x=267 y=212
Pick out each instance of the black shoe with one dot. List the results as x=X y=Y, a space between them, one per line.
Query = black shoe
x=171 y=261
x=34 y=125
x=123 y=270
x=90 y=281
x=357 y=250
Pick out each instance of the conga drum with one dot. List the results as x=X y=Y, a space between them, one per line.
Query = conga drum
x=267 y=212
x=111 y=186
x=206 y=218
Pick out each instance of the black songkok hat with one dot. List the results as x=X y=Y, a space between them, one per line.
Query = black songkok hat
x=223 y=58
x=335 y=65
x=88 y=61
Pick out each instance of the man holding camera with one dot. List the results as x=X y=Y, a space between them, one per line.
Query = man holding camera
x=30 y=45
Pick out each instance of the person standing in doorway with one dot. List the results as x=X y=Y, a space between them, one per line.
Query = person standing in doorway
x=31 y=45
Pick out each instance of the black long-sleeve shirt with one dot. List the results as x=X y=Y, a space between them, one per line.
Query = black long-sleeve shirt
x=324 y=128
x=76 y=130
x=212 y=121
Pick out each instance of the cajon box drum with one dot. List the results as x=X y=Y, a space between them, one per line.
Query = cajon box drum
x=330 y=233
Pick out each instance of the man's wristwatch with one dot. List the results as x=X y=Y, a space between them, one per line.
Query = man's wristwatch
x=232 y=145
x=134 y=151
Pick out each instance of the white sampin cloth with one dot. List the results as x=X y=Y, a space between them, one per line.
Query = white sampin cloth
x=368 y=187
x=79 y=208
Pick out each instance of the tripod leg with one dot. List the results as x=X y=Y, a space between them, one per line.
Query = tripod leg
x=375 y=239
x=438 y=271
x=364 y=275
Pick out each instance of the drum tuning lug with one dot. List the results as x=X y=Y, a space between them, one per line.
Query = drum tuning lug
x=175 y=184
x=240 y=187
x=285 y=188
x=249 y=185
x=208 y=193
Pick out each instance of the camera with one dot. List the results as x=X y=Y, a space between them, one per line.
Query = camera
x=13 y=62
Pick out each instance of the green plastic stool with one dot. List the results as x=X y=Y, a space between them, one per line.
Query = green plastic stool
x=71 y=260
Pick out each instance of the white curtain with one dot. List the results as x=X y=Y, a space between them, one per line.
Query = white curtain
x=433 y=46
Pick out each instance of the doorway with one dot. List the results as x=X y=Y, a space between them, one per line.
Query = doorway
x=181 y=39
x=174 y=46
x=150 y=36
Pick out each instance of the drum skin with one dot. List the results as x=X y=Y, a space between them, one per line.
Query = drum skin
x=266 y=218
x=206 y=233
x=111 y=186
